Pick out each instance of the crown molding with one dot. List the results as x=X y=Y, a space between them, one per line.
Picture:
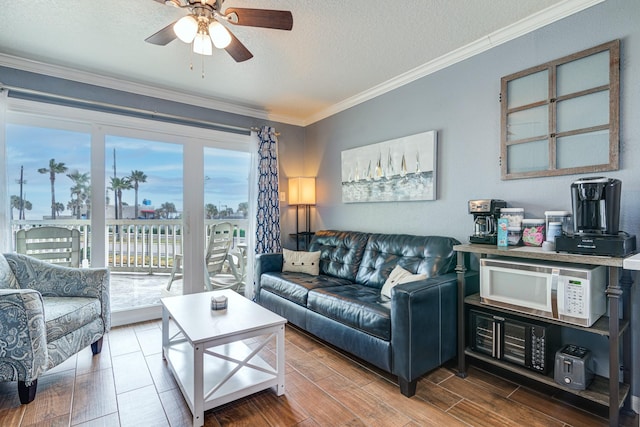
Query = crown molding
x=127 y=86
x=511 y=32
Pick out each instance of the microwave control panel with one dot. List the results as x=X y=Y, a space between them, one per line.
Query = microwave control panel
x=575 y=298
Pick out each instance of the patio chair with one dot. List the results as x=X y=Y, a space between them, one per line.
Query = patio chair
x=55 y=245
x=220 y=240
x=237 y=264
x=219 y=243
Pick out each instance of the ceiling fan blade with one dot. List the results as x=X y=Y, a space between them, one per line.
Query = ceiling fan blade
x=237 y=50
x=276 y=19
x=162 y=37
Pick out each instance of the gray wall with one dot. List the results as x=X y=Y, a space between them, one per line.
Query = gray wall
x=461 y=103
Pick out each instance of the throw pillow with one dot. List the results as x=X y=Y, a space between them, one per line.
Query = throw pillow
x=399 y=275
x=301 y=262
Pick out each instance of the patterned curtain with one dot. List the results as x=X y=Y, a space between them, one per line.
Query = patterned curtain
x=268 y=204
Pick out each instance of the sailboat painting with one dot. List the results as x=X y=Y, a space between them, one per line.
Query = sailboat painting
x=399 y=170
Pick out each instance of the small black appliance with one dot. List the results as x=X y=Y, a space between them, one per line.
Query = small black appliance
x=529 y=344
x=485 y=220
x=596 y=219
x=574 y=367
x=596 y=205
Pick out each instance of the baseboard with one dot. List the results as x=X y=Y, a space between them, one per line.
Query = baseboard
x=127 y=317
x=635 y=404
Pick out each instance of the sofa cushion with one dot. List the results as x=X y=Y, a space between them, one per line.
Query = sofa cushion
x=340 y=252
x=430 y=255
x=63 y=315
x=301 y=261
x=296 y=286
x=7 y=278
x=358 y=306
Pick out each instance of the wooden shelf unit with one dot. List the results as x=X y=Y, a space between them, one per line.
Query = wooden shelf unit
x=610 y=391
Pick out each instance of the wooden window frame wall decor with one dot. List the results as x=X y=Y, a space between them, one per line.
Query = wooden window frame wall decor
x=551 y=101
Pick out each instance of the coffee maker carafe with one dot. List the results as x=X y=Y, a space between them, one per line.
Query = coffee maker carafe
x=596 y=205
x=485 y=219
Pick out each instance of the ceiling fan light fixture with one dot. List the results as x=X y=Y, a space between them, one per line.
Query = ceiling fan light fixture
x=202 y=44
x=186 y=28
x=219 y=34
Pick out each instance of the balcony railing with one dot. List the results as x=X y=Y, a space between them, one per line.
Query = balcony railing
x=142 y=245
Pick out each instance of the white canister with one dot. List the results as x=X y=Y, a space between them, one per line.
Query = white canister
x=554 y=229
x=563 y=217
x=514 y=215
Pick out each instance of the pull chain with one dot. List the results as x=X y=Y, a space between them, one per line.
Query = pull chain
x=191 y=57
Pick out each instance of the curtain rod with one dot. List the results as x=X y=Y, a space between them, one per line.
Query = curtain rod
x=112 y=108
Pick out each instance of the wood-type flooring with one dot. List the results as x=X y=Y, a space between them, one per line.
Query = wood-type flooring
x=129 y=384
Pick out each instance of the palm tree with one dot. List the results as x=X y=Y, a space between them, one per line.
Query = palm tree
x=165 y=209
x=243 y=208
x=117 y=185
x=210 y=210
x=59 y=208
x=53 y=169
x=79 y=188
x=137 y=177
x=15 y=204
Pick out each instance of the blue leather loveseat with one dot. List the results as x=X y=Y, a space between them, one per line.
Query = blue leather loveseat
x=408 y=335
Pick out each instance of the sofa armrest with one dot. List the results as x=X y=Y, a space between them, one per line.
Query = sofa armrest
x=58 y=281
x=23 y=336
x=424 y=323
x=266 y=263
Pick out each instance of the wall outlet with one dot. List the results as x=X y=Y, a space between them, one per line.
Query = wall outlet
x=283 y=196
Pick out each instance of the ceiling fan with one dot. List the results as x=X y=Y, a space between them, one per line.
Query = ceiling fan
x=202 y=26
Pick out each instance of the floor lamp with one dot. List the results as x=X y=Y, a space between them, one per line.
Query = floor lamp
x=302 y=192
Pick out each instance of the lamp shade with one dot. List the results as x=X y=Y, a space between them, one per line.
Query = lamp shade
x=202 y=44
x=186 y=28
x=219 y=35
x=302 y=191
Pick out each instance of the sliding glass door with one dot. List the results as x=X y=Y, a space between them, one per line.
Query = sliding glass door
x=49 y=178
x=143 y=195
x=143 y=219
x=226 y=200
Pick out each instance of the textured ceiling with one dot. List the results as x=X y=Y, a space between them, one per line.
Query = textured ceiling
x=337 y=50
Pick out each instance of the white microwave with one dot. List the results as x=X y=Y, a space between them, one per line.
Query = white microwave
x=571 y=293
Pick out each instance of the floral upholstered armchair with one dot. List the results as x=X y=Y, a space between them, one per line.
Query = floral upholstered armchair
x=47 y=314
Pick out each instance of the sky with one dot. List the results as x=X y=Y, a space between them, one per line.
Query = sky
x=227 y=171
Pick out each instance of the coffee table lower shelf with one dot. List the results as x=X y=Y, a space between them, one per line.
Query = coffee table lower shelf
x=256 y=375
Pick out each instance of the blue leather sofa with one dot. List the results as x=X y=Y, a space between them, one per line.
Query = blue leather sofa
x=408 y=335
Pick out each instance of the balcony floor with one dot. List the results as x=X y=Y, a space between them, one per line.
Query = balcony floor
x=132 y=290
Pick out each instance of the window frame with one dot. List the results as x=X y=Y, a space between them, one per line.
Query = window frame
x=551 y=101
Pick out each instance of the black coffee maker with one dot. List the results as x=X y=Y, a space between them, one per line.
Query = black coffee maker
x=596 y=219
x=485 y=220
x=596 y=205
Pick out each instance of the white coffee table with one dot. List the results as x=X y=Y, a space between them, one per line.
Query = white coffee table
x=206 y=355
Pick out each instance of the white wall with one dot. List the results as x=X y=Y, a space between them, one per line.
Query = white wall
x=462 y=104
